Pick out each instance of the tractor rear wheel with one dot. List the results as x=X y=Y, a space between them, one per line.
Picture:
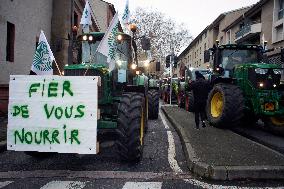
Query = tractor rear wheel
x=275 y=124
x=189 y=102
x=153 y=104
x=131 y=125
x=225 y=106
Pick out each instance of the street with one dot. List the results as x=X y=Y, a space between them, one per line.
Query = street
x=163 y=166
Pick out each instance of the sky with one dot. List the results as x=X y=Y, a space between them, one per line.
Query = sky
x=195 y=15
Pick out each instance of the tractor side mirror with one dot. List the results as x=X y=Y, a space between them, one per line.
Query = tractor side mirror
x=158 y=66
x=206 y=56
x=282 y=55
x=146 y=44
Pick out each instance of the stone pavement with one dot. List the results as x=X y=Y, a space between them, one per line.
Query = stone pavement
x=222 y=154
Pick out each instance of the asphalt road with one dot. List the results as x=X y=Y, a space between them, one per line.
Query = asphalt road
x=163 y=166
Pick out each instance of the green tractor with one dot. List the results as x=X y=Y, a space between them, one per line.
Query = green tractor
x=245 y=89
x=184 y=96
x=124 y=98
x=166 y=90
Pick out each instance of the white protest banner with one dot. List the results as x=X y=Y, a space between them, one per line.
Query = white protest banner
x=53 y=114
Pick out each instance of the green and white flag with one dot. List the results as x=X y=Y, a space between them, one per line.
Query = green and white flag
x=86 y=17
x=43 y=58
x=126 y=14
x=108 y=45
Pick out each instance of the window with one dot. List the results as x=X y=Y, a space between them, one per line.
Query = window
x=200 y=51
x=10 y=42
x=279 y=33
x=221 y=40
x=228 y=37
x=281 y=9
x=205 y=47
x=205 y=34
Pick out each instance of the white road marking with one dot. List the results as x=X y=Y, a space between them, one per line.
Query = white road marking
x=172 y=153
x=176 y=168
x=164 y=121
x=3 y=184
x=142 y=185
x=64 y=185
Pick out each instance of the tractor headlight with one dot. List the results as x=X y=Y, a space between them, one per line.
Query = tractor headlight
x=119 y=63
x=85 y=38
x=90 y=38
x=133 y=66
x=277 y=71
x=261 y=84
x=261 y=71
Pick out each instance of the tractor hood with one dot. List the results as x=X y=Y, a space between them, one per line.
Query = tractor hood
x=99 y=67
x=260 y=65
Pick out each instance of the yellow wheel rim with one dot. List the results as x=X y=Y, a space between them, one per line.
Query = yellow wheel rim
x=217 y=105
x=278 y=121
x=142 y=127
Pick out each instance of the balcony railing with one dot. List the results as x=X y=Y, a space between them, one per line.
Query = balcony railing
x=248 y=30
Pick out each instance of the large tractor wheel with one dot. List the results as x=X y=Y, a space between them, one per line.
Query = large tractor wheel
x=275 y=124
x=189 y=102
x=225 y=106
x=131 y=125
x=153 y=104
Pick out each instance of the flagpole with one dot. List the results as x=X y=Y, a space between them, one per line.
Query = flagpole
x=57 y=67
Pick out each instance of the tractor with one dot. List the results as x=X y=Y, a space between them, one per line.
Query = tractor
x=244 y=88
x=185 y=97
x=124 y=98
x=166 y=90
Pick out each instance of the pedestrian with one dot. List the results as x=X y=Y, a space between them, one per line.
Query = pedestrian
x=200 y=88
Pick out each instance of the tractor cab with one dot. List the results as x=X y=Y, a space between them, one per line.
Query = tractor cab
x=227 y=57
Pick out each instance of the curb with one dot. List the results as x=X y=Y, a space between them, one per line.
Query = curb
x=222 y=172
x=3 y=146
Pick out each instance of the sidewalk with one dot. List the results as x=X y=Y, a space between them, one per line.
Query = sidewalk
x=3 y=133
x=221 y=154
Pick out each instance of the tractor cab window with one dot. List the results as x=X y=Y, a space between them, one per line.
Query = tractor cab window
x=232 y=57
x=123 y=53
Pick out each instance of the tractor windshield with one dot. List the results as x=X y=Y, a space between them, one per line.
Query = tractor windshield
x=231 y=57
x=123 y=54
x=85 y=51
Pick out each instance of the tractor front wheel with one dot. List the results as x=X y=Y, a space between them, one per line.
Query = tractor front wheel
x=153 y=104
x=225 y=106
x=131 y=125
x=275 y=124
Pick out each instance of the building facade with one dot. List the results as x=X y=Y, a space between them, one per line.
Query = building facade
x=193 y=55
x=20 y=26
x=262 y=22
x=21 y=23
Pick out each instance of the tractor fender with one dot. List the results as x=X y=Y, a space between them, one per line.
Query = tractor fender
x=217 y=80
x=135 y=88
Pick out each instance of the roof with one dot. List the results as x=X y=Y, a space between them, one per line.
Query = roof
x=249 y=12
x=209 y=27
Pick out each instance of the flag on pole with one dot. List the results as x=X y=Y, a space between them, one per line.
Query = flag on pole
x=126 y=14
x=43 y=58
x=86 y=17
x=108 y=45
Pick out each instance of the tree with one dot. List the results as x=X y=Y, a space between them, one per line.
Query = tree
x=163 y=32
